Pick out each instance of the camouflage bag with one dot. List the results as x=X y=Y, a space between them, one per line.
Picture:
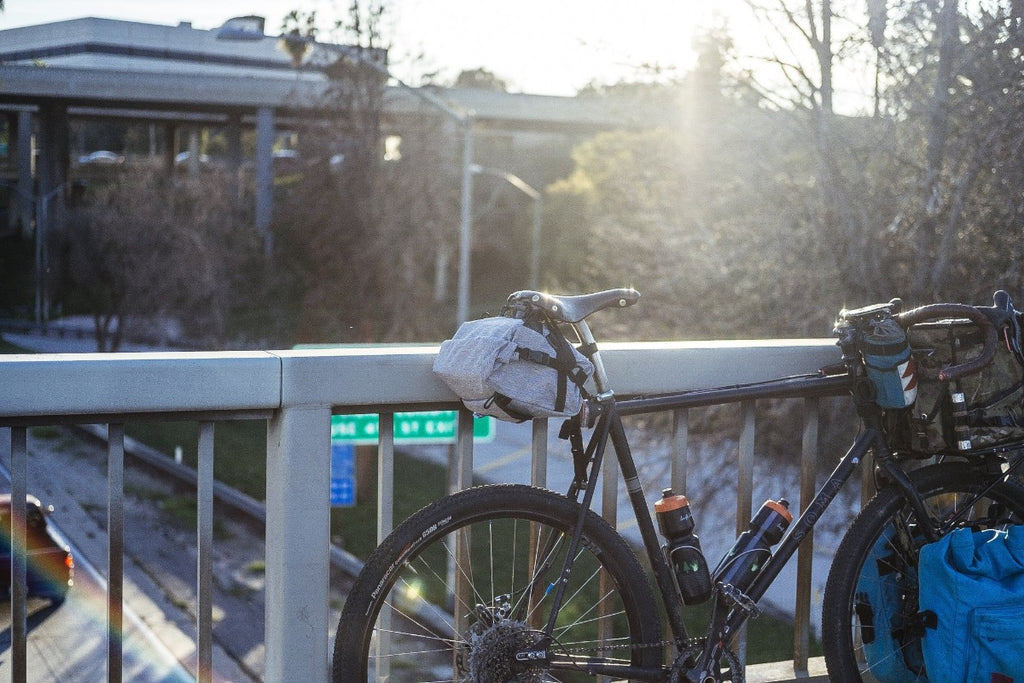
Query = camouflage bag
x=978 y=411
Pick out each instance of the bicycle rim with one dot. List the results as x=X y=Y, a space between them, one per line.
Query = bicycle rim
x=871 y=593
x=464 y=584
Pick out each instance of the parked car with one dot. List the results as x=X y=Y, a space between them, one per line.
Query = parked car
x=101 y=156
x=50 y=564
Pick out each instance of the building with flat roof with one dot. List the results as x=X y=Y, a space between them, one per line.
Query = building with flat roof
x=179 y=81
x=235 y=77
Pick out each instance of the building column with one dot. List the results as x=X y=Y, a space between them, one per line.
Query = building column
x=170 y=147
x=51 y=209
x=25 y=194
x=234 y=135
x=193 y=152
x=264 y=209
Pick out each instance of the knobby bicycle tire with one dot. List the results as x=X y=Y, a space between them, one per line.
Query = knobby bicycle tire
x=874 y=573
x=437 y=631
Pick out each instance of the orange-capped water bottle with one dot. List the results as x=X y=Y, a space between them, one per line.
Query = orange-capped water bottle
x=683 y=547
x=754 y=546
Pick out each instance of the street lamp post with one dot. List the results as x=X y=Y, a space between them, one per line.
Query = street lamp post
x=463 y=118
x=538 y=212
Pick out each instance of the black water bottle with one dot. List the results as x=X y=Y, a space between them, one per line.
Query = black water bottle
x=753 y=548
x=683 y=547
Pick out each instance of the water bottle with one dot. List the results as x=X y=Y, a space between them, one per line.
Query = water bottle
x=753 y=548
x=683 y=548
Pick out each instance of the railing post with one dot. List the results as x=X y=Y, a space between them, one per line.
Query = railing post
x=680 y=446
x=462 y=476
x=745 y=491
x=115 y=552
x=204 y=560
x=385 y=524
x=297 y=542
x=19 y=569
x=539 y=452
x=805 y=554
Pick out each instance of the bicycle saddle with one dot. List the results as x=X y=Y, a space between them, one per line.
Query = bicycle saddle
x=574 y=308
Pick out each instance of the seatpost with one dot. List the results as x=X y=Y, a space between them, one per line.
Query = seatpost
x=590 y=350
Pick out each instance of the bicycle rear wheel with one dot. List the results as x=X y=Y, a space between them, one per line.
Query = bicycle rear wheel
x=869 y=632
x=466 y=582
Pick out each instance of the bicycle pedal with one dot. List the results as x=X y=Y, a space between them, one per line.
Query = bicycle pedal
x=739 y=600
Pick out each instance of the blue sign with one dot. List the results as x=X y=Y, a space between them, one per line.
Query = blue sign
x=343 y=475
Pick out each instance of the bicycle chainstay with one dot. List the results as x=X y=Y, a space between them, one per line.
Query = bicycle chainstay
x=693 y=646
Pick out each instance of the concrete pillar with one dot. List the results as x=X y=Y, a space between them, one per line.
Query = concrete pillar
x=170 y=148
x=234 y=135
x=51 y=210
x=193 y=151
x=264 y=209
x=298 y=539
x=24 y=194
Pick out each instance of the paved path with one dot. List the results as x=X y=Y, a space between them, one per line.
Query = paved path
x=159 y=577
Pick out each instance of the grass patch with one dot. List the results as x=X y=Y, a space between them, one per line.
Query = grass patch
x=256 y=567
x=142 y=492
x=769 y=639
x=45 y=432
x=417 y=483
x=240 y=449
x=182 y=511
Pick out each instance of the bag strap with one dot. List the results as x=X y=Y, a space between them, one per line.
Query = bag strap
x=505 y=403
x=563 y=362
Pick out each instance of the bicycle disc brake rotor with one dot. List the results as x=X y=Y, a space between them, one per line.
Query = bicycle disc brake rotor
x=492 y=651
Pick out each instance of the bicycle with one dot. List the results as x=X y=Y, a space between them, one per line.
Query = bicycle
x=510 y=582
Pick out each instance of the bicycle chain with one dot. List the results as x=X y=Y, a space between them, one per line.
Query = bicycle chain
x=623 y=646
x=691 y=645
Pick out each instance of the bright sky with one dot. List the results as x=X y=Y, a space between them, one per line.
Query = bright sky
x=549 y=47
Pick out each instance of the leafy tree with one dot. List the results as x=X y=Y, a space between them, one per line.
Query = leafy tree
x=774 y=217
x=712 y=231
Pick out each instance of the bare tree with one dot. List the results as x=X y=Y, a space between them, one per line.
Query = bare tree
x=895 y=191
x=368 y=219
x=149 y=246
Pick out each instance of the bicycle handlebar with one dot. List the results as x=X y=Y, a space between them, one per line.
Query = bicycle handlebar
x=972 y=313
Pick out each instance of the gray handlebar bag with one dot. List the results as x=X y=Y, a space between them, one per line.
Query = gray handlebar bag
x=512 y=370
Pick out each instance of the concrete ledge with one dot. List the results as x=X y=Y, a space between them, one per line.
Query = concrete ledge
x=778 y=672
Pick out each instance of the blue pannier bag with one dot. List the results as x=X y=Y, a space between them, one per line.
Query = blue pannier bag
x=879 y=603
x=973 y=584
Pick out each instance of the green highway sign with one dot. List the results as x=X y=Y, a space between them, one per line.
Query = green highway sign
x=432 y=427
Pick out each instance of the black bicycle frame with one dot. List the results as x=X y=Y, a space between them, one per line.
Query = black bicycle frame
x=609 y=426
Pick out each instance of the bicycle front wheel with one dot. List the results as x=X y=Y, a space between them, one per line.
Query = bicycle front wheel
x=869 y=626
x=464 y=584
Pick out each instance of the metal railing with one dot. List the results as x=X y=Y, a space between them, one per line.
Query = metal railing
x=297 y=392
